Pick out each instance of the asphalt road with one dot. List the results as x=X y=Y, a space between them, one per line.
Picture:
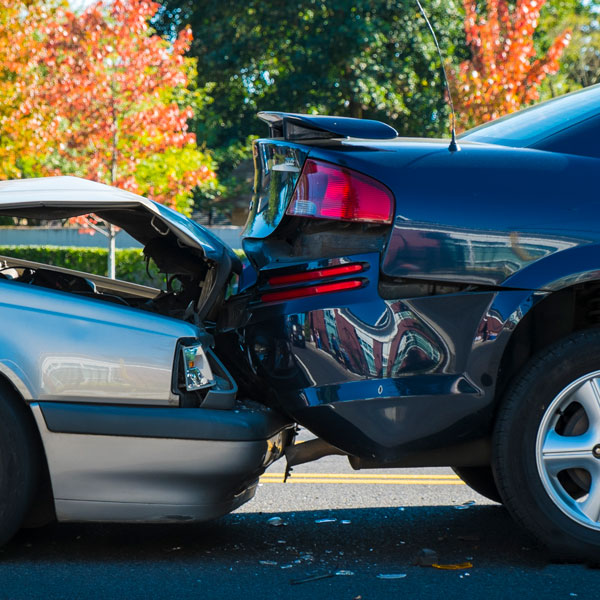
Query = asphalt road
x=373 y=524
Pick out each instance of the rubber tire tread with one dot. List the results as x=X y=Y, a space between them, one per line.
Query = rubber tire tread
x=515 y=471
x=19 y=462
x=481 y=480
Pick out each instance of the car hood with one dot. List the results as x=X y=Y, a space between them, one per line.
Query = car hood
x=143 y=219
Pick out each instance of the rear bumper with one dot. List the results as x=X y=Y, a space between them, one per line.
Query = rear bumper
x=155 y=464
x=380 y=378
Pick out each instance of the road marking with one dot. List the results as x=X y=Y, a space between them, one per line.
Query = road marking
x=368 y=475
x=356 y=478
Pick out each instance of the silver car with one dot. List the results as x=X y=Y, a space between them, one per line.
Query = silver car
x=113 y=407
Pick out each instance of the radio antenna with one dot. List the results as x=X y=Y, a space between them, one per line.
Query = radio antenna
x=453 y=147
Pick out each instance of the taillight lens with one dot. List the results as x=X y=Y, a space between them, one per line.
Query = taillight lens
x=327 y=191
x=323 y=273
x=311 y=290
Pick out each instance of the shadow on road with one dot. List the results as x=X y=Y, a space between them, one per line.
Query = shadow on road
x=243 y=556
x=484 y=535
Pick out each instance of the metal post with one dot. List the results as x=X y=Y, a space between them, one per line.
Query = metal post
x=111 y=251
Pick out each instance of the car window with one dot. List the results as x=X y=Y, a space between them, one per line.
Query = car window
x=583 y=139
x=526 y=127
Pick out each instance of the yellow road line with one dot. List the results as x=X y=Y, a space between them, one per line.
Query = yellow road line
x=366 y=476
x=366 y=481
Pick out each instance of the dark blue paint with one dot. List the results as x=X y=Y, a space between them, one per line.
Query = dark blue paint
x=382 y=378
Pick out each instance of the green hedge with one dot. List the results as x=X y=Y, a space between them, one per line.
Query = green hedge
x=131 y=265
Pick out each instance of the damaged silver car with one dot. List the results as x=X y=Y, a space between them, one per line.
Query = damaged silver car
x=113 y=407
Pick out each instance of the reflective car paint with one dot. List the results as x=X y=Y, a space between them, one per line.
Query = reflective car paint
x=122 y=478
x=70 y=351
x=383 y=376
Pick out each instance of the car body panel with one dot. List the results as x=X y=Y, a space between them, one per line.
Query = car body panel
x=104 y=353
x=376 y=378
x=495 y=233
x=150 y=476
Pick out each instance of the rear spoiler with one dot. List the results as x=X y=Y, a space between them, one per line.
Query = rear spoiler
x=294 y=126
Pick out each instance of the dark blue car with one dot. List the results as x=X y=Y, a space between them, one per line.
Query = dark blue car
x=450 y=303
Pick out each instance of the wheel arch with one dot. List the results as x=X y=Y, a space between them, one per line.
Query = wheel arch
x=562 y=312
x=42 y=510
x=10 y=375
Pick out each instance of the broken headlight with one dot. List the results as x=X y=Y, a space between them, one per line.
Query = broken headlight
x=197 y=373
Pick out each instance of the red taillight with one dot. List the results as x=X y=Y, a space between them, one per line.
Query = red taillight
x=315 y=274
x=311 y=290
x=327 y=191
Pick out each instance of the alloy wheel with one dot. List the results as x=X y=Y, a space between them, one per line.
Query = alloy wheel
x=568 y=450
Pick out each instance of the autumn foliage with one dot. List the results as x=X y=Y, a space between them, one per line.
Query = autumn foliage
x=109 y=94
x=20 y=20
x=98 y=95
x=503 y=73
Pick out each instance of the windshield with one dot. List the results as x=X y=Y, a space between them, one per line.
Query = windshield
x=526 y=127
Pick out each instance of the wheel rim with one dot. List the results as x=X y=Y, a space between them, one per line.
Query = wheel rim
x=567 y=450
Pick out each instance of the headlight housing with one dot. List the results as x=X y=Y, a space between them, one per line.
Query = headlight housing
x=196 y=368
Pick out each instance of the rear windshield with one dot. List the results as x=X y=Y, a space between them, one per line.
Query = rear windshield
x=526 y=127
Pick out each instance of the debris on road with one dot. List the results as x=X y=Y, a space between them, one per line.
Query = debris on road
x=315 y=577
x=275 y=521
x=454 y=567
x=344 y=572
x=465 y=505
x=427 y=557
x=391 y=576
x=319 y=521
x=268 y=562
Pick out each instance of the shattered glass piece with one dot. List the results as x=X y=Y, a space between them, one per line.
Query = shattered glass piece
x=319 y=521
x=286 y=566
x=391 y=576
x=465 y=505
x=345 y=522
x=344 y=572
x=307 y=557
x=268 y=562
x=275 y=521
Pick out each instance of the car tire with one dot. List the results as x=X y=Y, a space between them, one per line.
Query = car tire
x=19 y=464
x=546 y=447
x=480 y=480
